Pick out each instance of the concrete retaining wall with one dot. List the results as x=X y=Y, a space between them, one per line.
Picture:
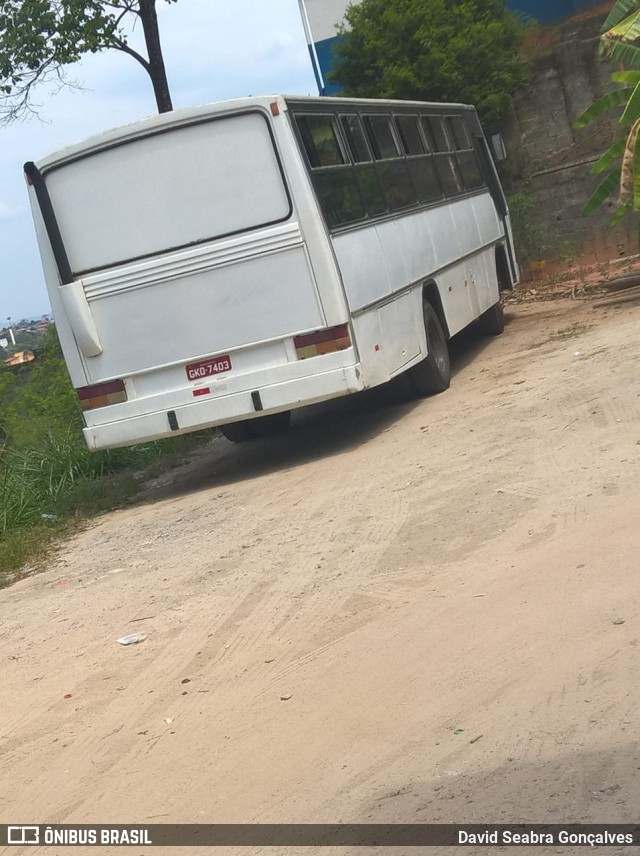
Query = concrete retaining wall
x=549 y=161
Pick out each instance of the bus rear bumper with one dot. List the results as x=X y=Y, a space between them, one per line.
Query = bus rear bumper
x=221 y=410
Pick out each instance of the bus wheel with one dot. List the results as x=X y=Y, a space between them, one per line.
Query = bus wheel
x=491 y=322
x=275 y=423
x=239 y=432
x=433 y=374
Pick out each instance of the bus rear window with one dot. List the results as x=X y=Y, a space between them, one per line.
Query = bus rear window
x=168 y=190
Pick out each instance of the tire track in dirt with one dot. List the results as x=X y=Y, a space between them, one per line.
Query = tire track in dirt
x=401 y=572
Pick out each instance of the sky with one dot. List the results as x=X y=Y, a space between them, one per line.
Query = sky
x=213 y=50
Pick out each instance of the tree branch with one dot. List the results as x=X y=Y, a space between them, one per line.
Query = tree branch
x=119 y=45
x=126 y=6
x=17 y=105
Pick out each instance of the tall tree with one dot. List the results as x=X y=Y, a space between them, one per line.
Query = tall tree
x=432 y=50
x=40 y=38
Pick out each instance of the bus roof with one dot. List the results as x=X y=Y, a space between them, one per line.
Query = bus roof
x=187 y=115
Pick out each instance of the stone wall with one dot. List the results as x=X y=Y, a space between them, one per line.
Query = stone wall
x=548 y=161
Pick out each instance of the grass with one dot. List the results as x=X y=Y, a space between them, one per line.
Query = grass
x=571 y=332
x=50 y=483
x=48 y=493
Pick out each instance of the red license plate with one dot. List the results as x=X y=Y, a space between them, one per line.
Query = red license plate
x=207 y=368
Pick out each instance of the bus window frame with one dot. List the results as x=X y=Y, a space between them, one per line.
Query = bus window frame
x=354 y=109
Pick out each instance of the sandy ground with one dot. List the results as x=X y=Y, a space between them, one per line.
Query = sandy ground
x=397 y=612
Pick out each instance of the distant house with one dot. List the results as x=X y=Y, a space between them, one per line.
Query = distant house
x=20 y=358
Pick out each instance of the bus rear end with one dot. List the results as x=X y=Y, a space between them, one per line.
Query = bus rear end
x=183 y=288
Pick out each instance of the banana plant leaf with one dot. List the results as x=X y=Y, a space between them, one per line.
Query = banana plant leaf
x=616 y=151
x=632 y=110
x=604 y=103
x=619 y=214
x=629 y=77
x=619 y=12
x=622 y=52
x=607 y=186
x=627 y=30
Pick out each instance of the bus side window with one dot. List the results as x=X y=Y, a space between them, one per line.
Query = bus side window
x=356 y=139
x=466 y=155
x=445 y=161
x=409 y=131
x=458 y=133
x=391 y=165
x=381 y=137
x=436 y=134
x=320 y=140
x=367 y=177
x=420 y=162
x=339 y=197
x=371 y=190
x=332 y=174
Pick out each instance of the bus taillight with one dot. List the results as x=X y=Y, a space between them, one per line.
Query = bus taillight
x=322 y=342
x=102 y=394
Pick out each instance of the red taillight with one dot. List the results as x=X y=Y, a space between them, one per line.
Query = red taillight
x=102 y=395
x=28 y=179
x=322 y=342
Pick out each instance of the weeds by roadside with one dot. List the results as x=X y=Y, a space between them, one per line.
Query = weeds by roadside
x=570 y=332
x=50 y=483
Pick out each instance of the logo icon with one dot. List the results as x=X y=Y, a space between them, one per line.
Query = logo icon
x=23 y=835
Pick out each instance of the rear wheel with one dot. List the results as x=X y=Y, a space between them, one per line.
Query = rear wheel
x=491 y=322
x=251 y=429
x=239 y=432
x=433 y=374
x=275 y=423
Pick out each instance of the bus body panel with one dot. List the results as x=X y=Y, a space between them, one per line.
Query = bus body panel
x=400 y=333
x=70 y=349
x=218 y=304
x=390 y=256
x=198 y=251
x=319 y=386
x=387 y=348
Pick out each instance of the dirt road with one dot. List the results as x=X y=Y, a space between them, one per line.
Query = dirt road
x=398 y=612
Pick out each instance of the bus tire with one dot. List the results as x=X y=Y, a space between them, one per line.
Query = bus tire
x=433 y=374
x=239 y=432
x=491 y=322
x=274 y=423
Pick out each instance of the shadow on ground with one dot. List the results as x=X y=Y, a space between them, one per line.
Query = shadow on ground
x=573 y=787
x=317 y=431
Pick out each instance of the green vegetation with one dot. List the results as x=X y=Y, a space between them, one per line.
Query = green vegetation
x=621 y=162
x=40 y=38
x=531 y=238
x=28 y=340
x=433 y=50
x=49 y=480
x=571 y=332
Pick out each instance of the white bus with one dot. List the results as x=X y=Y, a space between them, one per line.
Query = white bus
x=223 y=265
